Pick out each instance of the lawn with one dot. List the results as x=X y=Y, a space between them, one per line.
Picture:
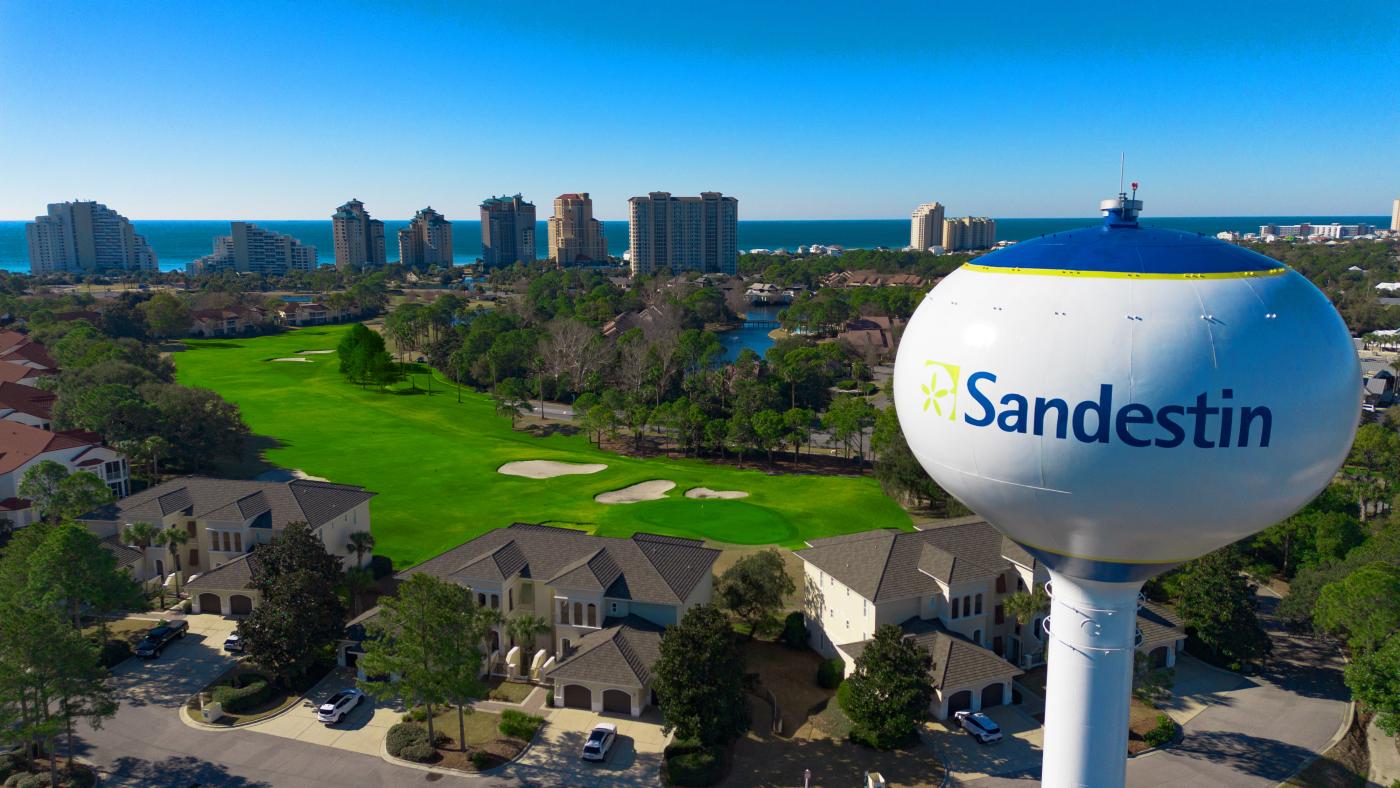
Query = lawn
x=433 y=461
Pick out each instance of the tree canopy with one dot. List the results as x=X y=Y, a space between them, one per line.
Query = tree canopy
x=699 y=679
x=888 y=694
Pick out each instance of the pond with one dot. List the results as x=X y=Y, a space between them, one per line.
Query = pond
x=753 y=334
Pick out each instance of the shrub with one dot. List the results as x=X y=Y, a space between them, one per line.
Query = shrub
x=27 y=780
x=830 y=673
x=243 y=693
x=550 y=699
x=681 y=747
x=845 y=385
x=419 y=752
x=794 y=631
x=700 y=767
x=113 y=652
x=416 y=714
x=519 y=725
x=78 y=776
x=843 y=695
x=380 y=566
x=403 y=735
x=1163 y=733
x=11 y=763
x=481 y=759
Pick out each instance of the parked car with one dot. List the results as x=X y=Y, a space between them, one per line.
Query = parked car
x=233 y=644
x=338 y=705
x=600 y=740
x=159 y=637
x=980 y=726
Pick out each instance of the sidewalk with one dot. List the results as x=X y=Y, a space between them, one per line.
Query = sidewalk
x=1385 y=758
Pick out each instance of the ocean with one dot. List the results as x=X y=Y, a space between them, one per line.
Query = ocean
x=179 y=242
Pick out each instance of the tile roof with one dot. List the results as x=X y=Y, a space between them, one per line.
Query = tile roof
x=957 y=661
x=236 y=575
x=20 y=443
x=32 y=352
x=237 y=500
x=622 y=652
x=27 y=399
x=881 y=565
x=126 y=555
x=1159 y=624
x=9 y=339
x=11 y=372
x=644 y=568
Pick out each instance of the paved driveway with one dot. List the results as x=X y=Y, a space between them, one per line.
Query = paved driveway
x=966 y=758
x=554 y=760
x=147 y=746
x=362 y=730
x=1255 y=735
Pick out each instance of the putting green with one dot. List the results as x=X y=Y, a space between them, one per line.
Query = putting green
x=434 y=461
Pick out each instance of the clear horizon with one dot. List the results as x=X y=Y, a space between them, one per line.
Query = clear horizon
x=284 y=111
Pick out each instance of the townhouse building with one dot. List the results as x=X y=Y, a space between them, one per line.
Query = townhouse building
x=23 y=446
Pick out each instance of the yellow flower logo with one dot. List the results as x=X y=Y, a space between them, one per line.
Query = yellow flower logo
x=941 y=391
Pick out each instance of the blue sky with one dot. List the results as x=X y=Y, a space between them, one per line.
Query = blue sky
x=811 y=110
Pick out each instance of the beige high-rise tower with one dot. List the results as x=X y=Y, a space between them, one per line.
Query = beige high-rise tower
x=427 y=240
x=926 y=226
x=574 y=235
x=684 y=233
x=1395 y=215
x=86 y=237
x=359 y=240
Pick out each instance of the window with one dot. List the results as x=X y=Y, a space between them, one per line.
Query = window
x=564 y=611
x=495 y=601
x=953 y=609
x=510 y=599
x=613 y=607
x=1001 y=584
x=977 y=636
x=238 y=542
x=999 y=614
x=978 y=609
x=481 y=600
x=190 y=528
x=578 y=613
x=1020 y=584
x=194 y=557
x=967 y=606
x=592 y=615
x=228 y=542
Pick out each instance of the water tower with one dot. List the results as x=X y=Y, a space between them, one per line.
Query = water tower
x=1119 y=400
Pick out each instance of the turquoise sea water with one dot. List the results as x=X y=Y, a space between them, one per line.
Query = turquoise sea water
x=178 y=242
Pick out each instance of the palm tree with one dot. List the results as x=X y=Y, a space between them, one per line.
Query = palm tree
x=361 y=542
x=524 y=628
x=143 y=535
x=173 y=538
x=154 y=447
x=508 y=406
x=358 y=580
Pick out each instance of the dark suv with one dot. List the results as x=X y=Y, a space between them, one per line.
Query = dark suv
x=158 y=638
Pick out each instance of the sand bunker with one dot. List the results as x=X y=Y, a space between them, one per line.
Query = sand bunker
x=706 y=492
x=653 y=490
x=314 y=352
x=548 y=469
x=302 y=360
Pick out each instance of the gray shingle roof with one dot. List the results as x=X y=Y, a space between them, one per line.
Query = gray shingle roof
x=126 y=555
x=645 y=568
x=236 y=500
x=622 y=652
x=888 y=564
x=1159 y=625
x=236 y=575
x=957 y=662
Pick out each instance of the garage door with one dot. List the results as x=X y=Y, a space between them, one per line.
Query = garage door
x=578 y=697
x=240 y=605
x=991 y=695
x=959 y=701
x=618 y=701
x=1159 y=657
x=210 y=603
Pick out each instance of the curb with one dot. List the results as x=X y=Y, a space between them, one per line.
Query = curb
x=185 y=718
x=494 y=771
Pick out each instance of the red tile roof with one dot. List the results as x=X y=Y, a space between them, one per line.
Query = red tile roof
x=14 y=373
x=20 y=443
x=9 y=339
x=27 y=399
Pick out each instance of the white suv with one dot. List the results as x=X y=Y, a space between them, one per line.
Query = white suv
x=979 y=725
x=338 y=705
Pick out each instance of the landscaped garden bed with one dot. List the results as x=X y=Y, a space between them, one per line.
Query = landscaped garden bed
x=508 y=691
x=248 y=695
x=476 y=741
x=17 y=771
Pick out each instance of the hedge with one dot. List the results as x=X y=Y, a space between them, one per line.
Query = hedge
x=696 y=768
x=243 y=693
x=380 y=566
x=830 y=673
x=1163 y=733
x=418 y=752
x=794 y=631
x=519 y=725
x=403 y=735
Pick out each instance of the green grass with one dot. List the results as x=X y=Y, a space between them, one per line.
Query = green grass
x=433 y=461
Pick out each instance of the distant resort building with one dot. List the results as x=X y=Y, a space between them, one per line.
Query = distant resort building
x=926 y=227
x=85 y=237
x=969 y=233
x=251 y=249
x=426 y=241
x=875 y=337
x=683 y=233
x=359 y=240
x=868 y=278
x=574 y=235
x=1334 y=230
x=507 y=231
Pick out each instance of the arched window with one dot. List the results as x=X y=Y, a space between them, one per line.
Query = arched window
x=510 y=599
x=563 y=611
x=578 y=613
x=592 y=615
x=977 y=636
x=1001 y=584
x=953 y=608
x=495 y=601
x=481 y=600
x=978 y=609
x=967 y=606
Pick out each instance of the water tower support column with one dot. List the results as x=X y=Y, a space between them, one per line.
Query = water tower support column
x=1092 y=638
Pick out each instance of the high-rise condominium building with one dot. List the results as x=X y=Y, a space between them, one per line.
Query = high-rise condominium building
x=1395 y=215
x=969 y=232
x=85 y=237
x=359 y=240
x=574 y=235
x=427 y=240
x=507 y=231
x=684 y=233
x=249 y=248
x=926 y=226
